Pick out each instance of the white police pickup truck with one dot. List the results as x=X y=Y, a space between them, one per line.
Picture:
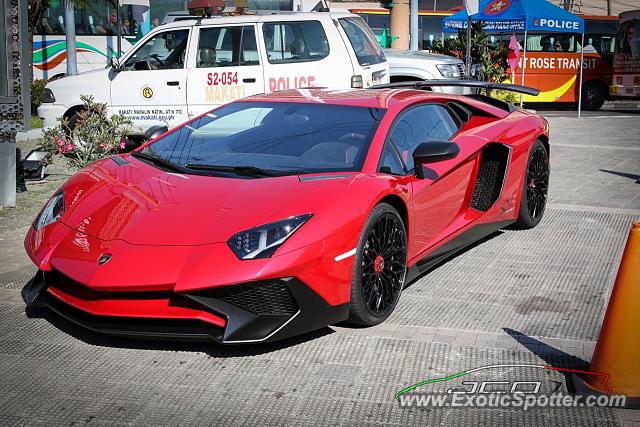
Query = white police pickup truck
x=185 y=68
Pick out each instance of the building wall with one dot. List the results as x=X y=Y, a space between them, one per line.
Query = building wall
x=598 y=7
x=10 y=101
x=422 y=4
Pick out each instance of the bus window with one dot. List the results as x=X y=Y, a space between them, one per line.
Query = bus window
x=431 y=30
x=601 y=43
x=98 y=20
x=554 y=42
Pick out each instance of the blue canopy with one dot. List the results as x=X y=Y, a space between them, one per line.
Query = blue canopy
x=517 y=15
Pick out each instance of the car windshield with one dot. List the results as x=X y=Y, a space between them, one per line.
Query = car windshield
x=275 y=138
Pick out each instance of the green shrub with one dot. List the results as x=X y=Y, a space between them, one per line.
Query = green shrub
x=506 y=96
x=93 y=136
x=37 y=88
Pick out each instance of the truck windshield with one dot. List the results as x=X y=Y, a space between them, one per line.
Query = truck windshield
x=275 y=138
x=364 y=43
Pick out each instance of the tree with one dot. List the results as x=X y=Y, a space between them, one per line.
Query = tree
x=492 y=59
x=36 y=9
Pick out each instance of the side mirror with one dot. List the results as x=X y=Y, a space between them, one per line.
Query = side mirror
x=154 y=131
x=431 y=152
x=115 y=64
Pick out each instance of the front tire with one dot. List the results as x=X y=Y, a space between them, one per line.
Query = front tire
x=535 y=188
x=380 y=267
x=73 y=122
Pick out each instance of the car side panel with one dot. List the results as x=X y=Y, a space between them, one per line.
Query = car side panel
x=441 y=207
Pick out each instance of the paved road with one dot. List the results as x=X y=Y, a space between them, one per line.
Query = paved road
x=534 y=297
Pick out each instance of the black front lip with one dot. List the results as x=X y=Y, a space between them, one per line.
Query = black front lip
x=242 y=326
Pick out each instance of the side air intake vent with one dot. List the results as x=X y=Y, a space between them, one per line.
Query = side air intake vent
x=493 y=168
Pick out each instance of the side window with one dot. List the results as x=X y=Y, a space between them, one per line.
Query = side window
x=390 y=162
x=555 y=42
x=295 y=41
x=363 y=41
x=420 y=124
x=163 y=51
x=227 y=47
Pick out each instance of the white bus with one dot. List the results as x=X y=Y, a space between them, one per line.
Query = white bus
x=626 y=62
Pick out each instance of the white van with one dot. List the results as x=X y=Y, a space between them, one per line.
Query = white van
x=186 y=68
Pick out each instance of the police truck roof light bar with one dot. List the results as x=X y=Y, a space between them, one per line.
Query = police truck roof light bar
x=205 y=7
x=463 y=83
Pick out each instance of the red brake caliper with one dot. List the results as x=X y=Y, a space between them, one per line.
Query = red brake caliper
x=378 y=264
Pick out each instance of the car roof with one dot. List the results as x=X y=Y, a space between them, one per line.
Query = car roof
x=372 y=98
x=258 y=17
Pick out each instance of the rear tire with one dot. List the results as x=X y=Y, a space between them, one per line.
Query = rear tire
x=593 y=96
x=380 y=267
x=535 y=187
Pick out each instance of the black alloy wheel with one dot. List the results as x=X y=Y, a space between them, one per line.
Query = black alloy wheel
x=380 y=267
x=535 y=188
x=537 y=183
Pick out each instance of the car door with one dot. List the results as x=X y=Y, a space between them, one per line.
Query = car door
x=438 y=198
x=151 y=87
x=299 y=56
x=226 y=67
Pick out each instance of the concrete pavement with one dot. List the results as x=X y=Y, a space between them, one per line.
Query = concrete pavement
x=527 y=297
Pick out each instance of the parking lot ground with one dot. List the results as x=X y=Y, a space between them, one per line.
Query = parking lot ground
x=520 y=298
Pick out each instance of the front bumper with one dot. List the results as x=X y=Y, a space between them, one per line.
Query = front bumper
x=244 y=313
x=50 y=113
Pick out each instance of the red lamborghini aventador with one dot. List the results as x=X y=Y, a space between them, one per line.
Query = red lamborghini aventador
x=282 y=213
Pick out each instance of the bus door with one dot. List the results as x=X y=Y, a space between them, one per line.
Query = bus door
x=151 y=88
x=225 y=67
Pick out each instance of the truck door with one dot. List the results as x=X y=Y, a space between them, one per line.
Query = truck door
x=226 y=67
x=151 y=88
x=298 y=55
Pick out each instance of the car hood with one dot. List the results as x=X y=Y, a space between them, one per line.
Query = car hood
x=140 y=204
x=396 y=55
x=67 y=90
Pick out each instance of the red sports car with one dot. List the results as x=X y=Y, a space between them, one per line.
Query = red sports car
x=283 y=213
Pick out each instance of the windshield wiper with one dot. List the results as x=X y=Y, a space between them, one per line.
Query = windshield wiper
x=159 y=161
x=240 y=170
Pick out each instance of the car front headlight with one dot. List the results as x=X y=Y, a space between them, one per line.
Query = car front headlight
x=52 y=211
x=263 y=241
x=47 y=96
x=449 y=71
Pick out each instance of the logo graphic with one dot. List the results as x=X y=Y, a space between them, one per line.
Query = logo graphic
x=496 y=7
x=104 y=259
x=147 y=92
x=520 y=386
x=536 y=22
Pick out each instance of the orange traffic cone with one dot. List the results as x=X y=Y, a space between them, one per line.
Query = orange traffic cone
x=617 y=351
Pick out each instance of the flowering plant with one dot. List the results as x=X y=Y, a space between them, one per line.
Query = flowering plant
x=89 y=135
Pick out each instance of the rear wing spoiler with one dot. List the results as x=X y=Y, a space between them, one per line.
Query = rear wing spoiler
x=489 y=86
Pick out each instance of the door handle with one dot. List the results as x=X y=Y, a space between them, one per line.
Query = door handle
x=251 y=80
x=173 y=83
